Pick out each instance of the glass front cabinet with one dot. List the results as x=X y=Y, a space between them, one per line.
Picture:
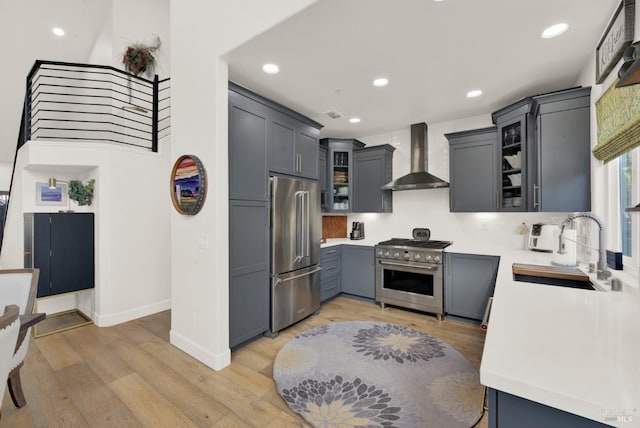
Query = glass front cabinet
x=340 y=176
x=513 y=131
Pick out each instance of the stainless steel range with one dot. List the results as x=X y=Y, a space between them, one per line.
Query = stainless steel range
x=409 y=273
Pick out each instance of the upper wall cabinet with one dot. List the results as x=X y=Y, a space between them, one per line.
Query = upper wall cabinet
x=340 y=173
x=267 y=137
x=513 y=125
x=560 y=179
x=542 y=157
x=372 y=169
x=248 y=141
x=294 y=147
x=472 y=170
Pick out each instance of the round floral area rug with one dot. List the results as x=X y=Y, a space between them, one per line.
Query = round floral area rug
x=371 y=374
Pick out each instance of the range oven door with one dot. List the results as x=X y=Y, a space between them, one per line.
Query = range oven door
x=408 y=284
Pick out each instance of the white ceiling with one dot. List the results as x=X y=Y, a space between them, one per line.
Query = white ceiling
x=433 y=53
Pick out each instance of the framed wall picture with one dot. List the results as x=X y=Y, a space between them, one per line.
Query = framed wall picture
x=617 y=36
x=57 y=196
x=188 y=185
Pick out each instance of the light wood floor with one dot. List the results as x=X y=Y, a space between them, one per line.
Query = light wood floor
x=130 y=376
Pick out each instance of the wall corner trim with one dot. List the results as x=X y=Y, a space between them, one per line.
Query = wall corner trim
x=215 y=361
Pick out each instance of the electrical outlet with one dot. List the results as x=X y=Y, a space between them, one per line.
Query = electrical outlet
x=484 y=226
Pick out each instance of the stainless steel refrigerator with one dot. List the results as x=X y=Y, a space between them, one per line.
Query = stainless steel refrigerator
x=295 y=250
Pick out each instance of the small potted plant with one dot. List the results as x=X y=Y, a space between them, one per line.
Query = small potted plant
x=139 y=58
x=81 y=193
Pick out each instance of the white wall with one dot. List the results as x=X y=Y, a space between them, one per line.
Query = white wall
x=5 y=175
x=199 y=85
x=131 y=206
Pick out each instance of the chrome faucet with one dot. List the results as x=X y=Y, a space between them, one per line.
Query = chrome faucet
x=603 y=272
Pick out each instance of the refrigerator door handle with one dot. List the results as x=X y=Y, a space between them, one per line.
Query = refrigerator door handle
x=279 y=280
x=299 y=226
x=307 y=226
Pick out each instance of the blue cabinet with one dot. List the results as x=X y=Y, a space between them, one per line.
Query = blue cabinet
x=472 y=166
x=330 y=275
x=61 y=245
x=469 y=282
x=358 y=271
x=372 y=169
x=506 y=411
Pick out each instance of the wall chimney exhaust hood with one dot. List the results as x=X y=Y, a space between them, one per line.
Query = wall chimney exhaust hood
x=419 y=178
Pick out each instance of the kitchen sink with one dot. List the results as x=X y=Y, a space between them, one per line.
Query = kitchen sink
x=559 y=282
x=552 y=275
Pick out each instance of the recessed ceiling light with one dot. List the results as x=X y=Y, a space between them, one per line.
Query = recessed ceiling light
x=474 y=93
x=380 y=82
x=554 y=30
x=354 y=120
x=58 y=31
x=271 y=69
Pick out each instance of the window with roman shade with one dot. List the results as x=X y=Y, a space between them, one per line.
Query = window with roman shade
x=618 y=118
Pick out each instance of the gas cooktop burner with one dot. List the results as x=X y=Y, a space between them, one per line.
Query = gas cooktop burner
x=417 y=243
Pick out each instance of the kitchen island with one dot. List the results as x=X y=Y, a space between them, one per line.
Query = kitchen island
x=570 y=349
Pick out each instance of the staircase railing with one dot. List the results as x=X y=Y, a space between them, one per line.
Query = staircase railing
x=92 y=103
x=71 y=101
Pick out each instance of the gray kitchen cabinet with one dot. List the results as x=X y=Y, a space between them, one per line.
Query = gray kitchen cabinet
x=322 y=177
x=358 y=271
x=472 y=166
x=248 y=142
x=561 y=156
x=372 y=169
x=507 y=410
x=513 y=141
x=330 y=275
x=469 y=282
x=293 y=146
x=542 y=157
x=263 y=136
x=249 y=290
x=340 y=173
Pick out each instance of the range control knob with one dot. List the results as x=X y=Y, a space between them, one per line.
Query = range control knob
x=429 y=259
x=417 y=257
x=407 y=256
x=387 y=254
x=436 y=259
x=380 y=253
x=396 y=255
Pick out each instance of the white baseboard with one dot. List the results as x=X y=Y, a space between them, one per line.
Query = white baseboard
x=215 y=361
x=131 y=314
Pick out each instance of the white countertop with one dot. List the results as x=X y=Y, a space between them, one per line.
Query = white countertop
x=367 y=241
x=575 y=350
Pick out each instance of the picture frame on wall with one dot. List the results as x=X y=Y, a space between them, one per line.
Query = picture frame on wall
x=188 y=185
x=53 y=197
x=617 y=36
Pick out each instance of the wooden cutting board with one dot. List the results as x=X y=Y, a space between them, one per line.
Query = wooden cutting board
x=549 y=271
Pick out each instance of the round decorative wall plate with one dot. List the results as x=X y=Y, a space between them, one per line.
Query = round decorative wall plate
x=188 y=185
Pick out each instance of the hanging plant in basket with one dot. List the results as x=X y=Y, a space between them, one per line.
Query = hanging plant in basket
x=81 y=193
x=139 y=58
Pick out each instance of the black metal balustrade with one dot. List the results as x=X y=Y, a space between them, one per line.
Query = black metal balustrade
x=81 y=102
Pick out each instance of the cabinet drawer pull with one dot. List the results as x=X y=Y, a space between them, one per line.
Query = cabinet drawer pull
x=329 y=268
x=332 y=252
